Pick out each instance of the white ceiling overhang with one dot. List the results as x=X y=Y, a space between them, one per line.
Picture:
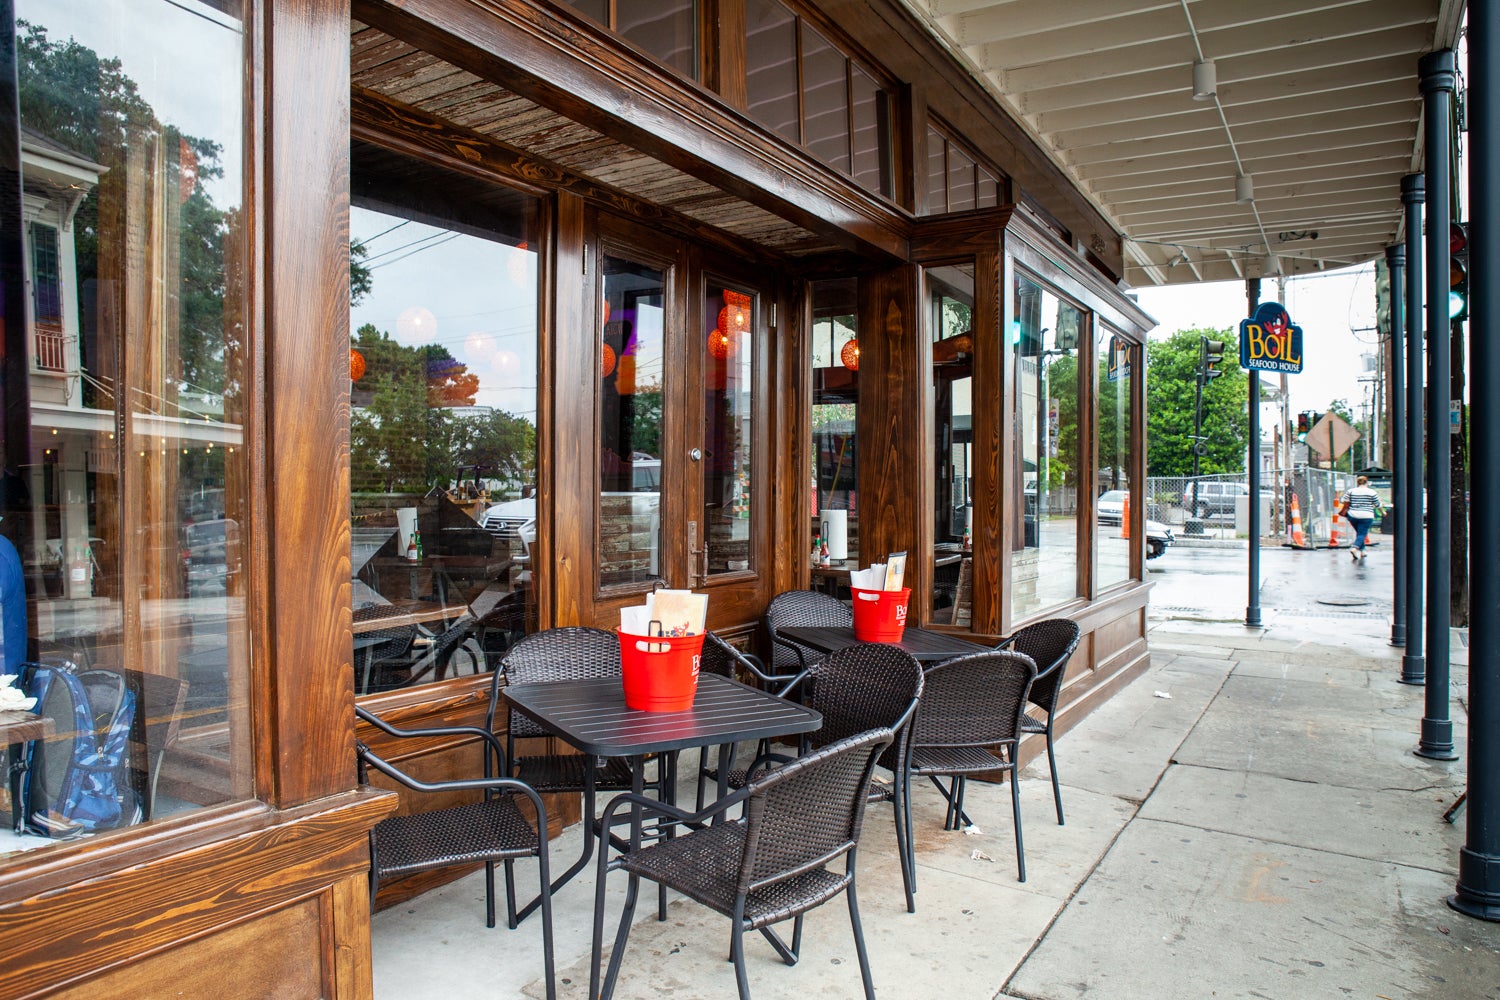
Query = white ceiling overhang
x=1317 y=102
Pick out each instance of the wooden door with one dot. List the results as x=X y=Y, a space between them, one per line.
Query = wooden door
x=682 y=433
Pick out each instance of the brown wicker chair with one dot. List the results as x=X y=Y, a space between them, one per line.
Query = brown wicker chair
x=798 y=608
x=1050 y=643
x=770 y=866
x=554 y=655
x=489 y=830
x=558 y=654
x=720 y=658
x=969 y=722
x=858 y=688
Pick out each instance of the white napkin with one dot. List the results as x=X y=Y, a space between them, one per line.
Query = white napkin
x=13 y=698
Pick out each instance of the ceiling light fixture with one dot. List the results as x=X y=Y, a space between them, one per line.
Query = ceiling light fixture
x=1205 y=80
x=1244 y=189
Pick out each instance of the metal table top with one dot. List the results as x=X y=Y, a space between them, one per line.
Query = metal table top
x=925 y=646
x=592 y=716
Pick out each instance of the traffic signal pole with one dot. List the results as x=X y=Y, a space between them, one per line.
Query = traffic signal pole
x=1252 y=609
x=1478 y=888
x=1437 y=71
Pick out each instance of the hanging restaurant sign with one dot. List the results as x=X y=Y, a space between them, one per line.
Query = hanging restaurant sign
x=1270 y=341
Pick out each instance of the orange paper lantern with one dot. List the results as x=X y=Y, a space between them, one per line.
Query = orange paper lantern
x=356 y=365
x=720 y=344
x=850 y=354
x=607 y=362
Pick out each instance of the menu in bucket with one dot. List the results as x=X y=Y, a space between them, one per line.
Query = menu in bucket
x=888 y=575
x=670 y=613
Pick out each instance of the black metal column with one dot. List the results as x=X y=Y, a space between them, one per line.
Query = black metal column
x=1413 y=663
x=1395 y=261
x=1479 y=861
x=1436 y=71
x=1252 y=609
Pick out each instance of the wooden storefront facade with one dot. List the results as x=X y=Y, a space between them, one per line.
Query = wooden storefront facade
x=996 y=390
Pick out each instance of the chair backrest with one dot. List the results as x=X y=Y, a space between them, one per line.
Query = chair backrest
x=801 y=816
x=1050 y=643
x=862 y=687
x=572 y=653
x=974 y=700
x=801 y=608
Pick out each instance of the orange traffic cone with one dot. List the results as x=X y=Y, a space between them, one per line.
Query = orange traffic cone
x=1299 y=541
x=1125 y=518
x=1334 y=542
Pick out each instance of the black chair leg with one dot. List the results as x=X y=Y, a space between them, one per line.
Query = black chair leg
x=737 y=952
x=511 y=919
x=1015 y=807
x=1052 y=763
x=859 y=942
x=904 y=849
x=546 y=897
x=621 y=936
x=489 y=894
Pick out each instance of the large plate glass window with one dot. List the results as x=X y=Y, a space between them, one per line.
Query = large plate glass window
x=126 y=487
x=1047 y=340
x=1114 y=375
x=443 y=355
x=950 y=320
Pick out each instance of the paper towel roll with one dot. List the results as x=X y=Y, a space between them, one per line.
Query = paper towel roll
x=836 y=530
x=406 y=523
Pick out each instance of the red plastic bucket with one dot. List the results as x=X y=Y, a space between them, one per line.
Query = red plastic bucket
x=660 y=672
x=880 y=615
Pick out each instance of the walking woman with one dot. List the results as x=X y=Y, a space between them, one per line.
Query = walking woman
x=1361 y=505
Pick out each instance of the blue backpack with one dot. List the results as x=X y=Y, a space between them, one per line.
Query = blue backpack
x=79 y=779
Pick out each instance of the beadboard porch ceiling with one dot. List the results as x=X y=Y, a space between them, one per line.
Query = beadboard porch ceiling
x=1317 y=102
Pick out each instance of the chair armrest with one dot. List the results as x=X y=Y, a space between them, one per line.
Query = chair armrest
x=765 y=760
x=488 y=737
x=1007 y=642
x=458 y=784
x=678 y=816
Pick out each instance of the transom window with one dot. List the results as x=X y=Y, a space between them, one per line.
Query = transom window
x=956 y=180
x=805 y=89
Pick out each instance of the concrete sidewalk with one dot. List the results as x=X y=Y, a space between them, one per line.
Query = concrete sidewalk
x=1245 y=820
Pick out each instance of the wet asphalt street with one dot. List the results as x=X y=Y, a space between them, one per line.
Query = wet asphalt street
x=1210 y=583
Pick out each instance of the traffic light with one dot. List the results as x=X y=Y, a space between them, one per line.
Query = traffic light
x=1458 y=271
x=1303 y=424
x=1213 y=356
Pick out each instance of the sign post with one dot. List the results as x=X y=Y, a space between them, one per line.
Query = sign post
x=1271 y=342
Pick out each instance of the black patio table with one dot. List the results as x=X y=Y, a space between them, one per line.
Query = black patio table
x=924 y=645
x=592 y=716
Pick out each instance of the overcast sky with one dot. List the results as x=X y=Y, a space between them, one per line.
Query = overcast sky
x=1336 y=311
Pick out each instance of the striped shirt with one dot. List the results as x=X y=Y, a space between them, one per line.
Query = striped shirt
x=1363 y=502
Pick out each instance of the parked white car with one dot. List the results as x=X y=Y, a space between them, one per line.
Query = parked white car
x=1158 y=537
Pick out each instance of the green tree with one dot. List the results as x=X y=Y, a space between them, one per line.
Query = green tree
x=88 y=104
x=1171 y=374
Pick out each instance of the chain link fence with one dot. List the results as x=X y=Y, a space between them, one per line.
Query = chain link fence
x=1300 y=501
